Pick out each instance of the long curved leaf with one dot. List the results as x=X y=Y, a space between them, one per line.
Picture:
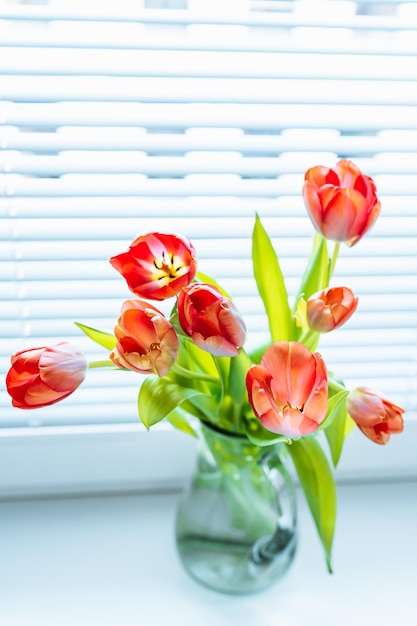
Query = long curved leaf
x=158 y=397
x=205 y=278
x=271 y=285
x=179 y=419
x=334 y=425
x=103 y=339
x=317 y=481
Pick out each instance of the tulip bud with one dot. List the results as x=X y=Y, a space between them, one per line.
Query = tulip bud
x=330 y=308
x=42 y=376
x=157 y=266
x=341 y=202
x=288 y=391
x=211 y=320
x=146 y=340
x=375 y=416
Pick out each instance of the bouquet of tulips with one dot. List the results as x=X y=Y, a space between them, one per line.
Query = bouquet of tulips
x=195 y=362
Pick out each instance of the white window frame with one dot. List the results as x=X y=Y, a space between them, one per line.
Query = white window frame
x=71 y=460
x=125 y=458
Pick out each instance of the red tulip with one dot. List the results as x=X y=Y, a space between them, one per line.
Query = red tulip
x=211 y=320
x=341 y=202
x=288 y=390
x=157 y=266
x=42 y=376
x=146 y=340
x=330 y=308
x=375 y=416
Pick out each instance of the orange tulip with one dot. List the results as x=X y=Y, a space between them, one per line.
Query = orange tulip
x=288 y=390
x=146 y=340
x=375 y=416
x=157 y=266
x=211 y=320
x=341 y=202
x=42 y=376
x=330 y=308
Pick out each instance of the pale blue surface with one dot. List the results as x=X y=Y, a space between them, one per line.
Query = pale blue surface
x=111 y=561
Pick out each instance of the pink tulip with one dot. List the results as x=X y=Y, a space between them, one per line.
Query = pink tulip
x=288 y=390
x=330 y=308
x=375 y=416
x=146 y=340
x=211 y=320
x=341 y=202
x=42 y=376
x=157 y=266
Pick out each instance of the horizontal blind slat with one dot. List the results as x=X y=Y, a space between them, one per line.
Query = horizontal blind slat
x=269 y=117
x=178 y=63
x=27 y=88
x=174 y=167
x=134 y=138
x=215 y=120
x=197 y=185
x=296 y=42
x=137 y=207
x=243 y=18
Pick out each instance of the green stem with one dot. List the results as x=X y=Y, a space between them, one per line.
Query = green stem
x=223 y=371
x=105 y=363
x=310 y=339
x=182 y=371
x=335 y=386
x=334 y=258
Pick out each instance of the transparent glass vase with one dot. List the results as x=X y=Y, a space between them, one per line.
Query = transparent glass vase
x=236 y=521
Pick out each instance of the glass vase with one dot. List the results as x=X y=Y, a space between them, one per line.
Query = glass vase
x=236 y=521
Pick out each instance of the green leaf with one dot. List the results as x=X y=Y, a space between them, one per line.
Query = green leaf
x=349 y=425
x=259 y=435
x=271 y=285
x=308 y=337
x=103 y=339
x=239 y=366
x=158 y=397
x=257 y=354
x=178 y=418
x=334 y=425
x=203 y=405
x=194 y=358
x=204 y=278
x=317 y=481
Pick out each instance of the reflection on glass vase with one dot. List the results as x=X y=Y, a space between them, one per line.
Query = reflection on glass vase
x=236 y=522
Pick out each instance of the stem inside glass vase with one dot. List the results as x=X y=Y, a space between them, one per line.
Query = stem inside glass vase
x=236 y=522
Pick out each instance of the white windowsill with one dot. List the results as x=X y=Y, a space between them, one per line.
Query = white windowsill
x=114 y=459
x=111 y=561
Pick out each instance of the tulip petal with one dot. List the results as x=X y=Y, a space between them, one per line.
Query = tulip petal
x=157 y=266
x=347 y=172
x=40 y=395
x=296 y=372
x=62 y=368
x=341 y=203
x=258 y=381
x=292 y=423
x=288 y=390
x=330 y=308
x=42 y=376
x=215 y=345
x=146 y=340
x=375 y=416
x=211 y=320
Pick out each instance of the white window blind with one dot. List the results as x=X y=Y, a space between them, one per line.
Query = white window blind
x=121 y=118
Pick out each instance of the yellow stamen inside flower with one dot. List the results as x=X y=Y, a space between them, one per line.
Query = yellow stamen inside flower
x=169 y=270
